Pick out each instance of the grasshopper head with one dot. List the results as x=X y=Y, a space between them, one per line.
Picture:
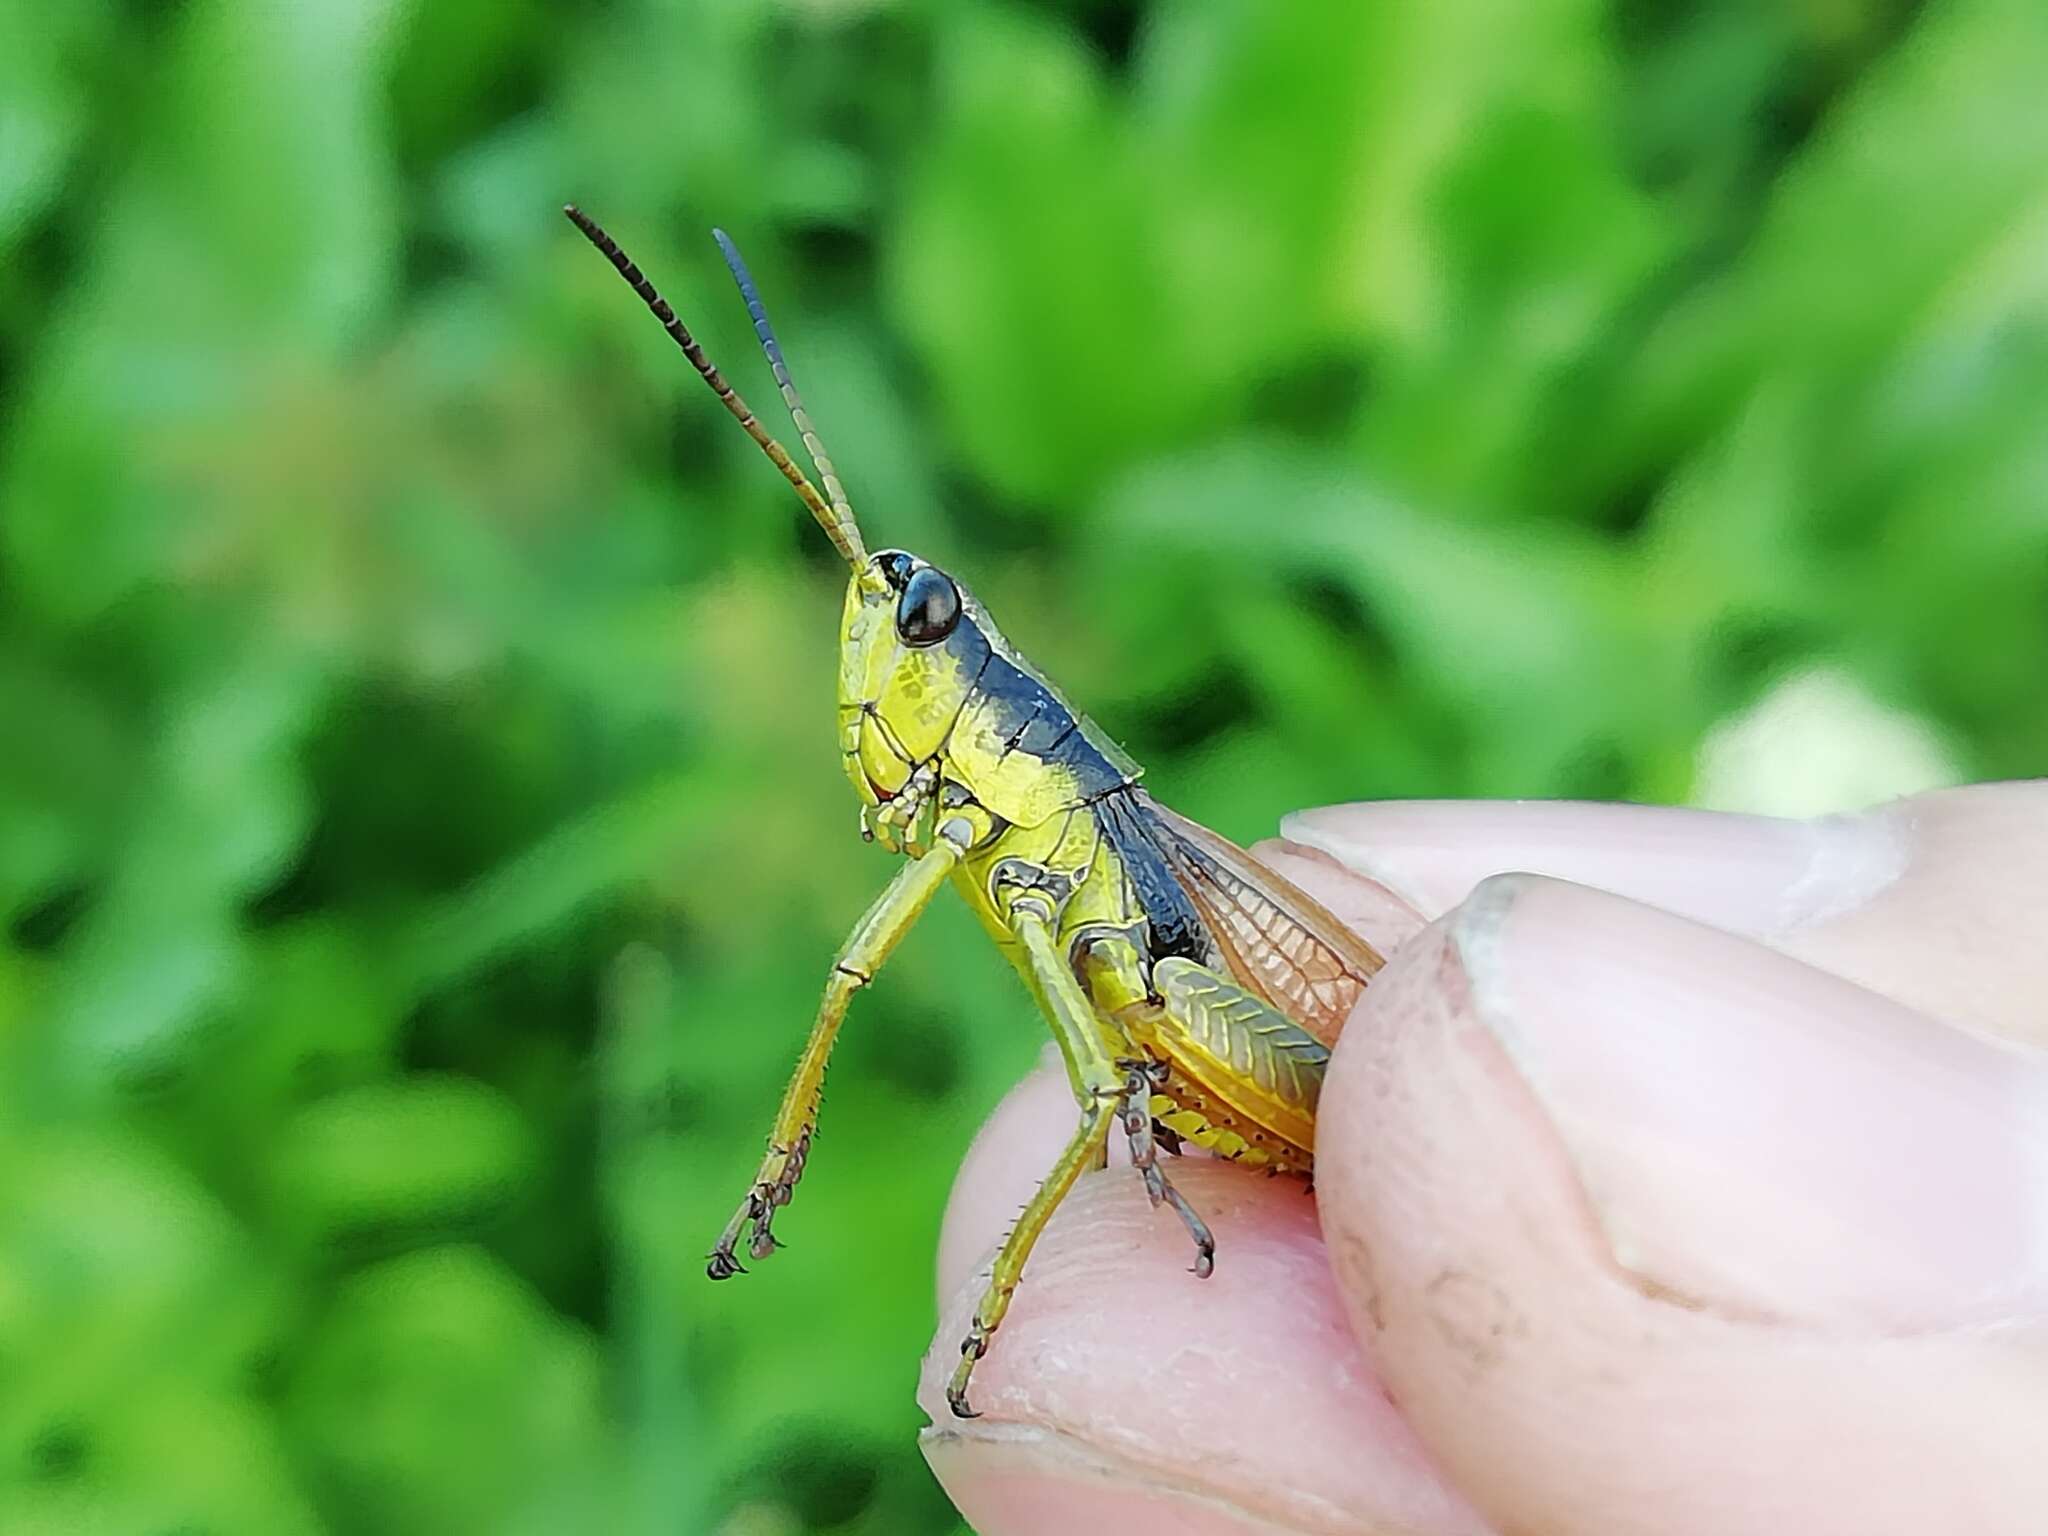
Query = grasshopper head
x=914 y=642
x=909 y=655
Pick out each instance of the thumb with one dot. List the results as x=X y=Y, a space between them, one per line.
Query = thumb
x=1657 y=1232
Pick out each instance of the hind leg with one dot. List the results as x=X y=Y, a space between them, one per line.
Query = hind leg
x=1098 y=1091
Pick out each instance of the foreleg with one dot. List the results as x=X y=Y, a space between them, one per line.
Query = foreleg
x=789 y=1143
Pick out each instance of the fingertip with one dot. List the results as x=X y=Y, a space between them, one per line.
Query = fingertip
x=1601 y=1306
x=1033 y=1482
x=1241 y=1399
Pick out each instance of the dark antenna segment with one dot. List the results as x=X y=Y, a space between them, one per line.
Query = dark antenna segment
x=834 y=516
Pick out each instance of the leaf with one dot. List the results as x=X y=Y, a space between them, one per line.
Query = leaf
x=442 y=1393
x=1020 y=268
x=1937 y=155
x=393 y=1164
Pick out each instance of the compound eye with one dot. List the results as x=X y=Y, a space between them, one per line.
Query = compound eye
x=895 y=566
x=929 y=607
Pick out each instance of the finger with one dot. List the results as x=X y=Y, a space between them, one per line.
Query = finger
x=1657 y=1232
x=1939 y=901
x=1123 y=1394
x=1752 y=874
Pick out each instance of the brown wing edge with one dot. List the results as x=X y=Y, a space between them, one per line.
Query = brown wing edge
x=1188 y=845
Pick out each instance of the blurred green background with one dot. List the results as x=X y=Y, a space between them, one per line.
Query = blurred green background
x=421 y=834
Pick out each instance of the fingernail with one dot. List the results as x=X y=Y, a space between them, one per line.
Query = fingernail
x=1759 y=1137
x=1751 y=874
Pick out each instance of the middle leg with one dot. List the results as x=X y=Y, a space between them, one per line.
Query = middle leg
x=1142 y=1079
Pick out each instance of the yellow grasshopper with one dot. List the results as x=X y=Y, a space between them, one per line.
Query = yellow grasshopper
x=1193 y=992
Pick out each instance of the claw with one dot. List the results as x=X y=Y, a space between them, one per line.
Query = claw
x=972 y=1348
x=1198 y=1229
x=1146 y=1135
x=772 y=1189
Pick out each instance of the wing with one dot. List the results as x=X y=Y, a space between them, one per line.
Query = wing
x=1276 y=938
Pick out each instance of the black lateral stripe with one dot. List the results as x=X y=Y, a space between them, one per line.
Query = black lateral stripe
x=1137 y=836
x=1037 y=723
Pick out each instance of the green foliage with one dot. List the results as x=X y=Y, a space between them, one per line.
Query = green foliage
x=420 y=831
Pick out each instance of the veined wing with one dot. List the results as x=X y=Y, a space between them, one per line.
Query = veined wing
x=1277 y=939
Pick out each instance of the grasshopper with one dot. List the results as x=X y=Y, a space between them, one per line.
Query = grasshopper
x=1193 y=992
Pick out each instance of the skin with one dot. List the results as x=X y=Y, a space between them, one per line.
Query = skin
x=1694 y=1183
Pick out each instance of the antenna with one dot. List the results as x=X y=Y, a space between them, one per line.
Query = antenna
x=736 y=264
x=835 y=516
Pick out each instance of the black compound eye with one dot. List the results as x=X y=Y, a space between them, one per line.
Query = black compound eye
x=929 y=607
x=895 y=568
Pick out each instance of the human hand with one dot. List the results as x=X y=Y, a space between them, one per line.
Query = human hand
x=1718 y=1204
